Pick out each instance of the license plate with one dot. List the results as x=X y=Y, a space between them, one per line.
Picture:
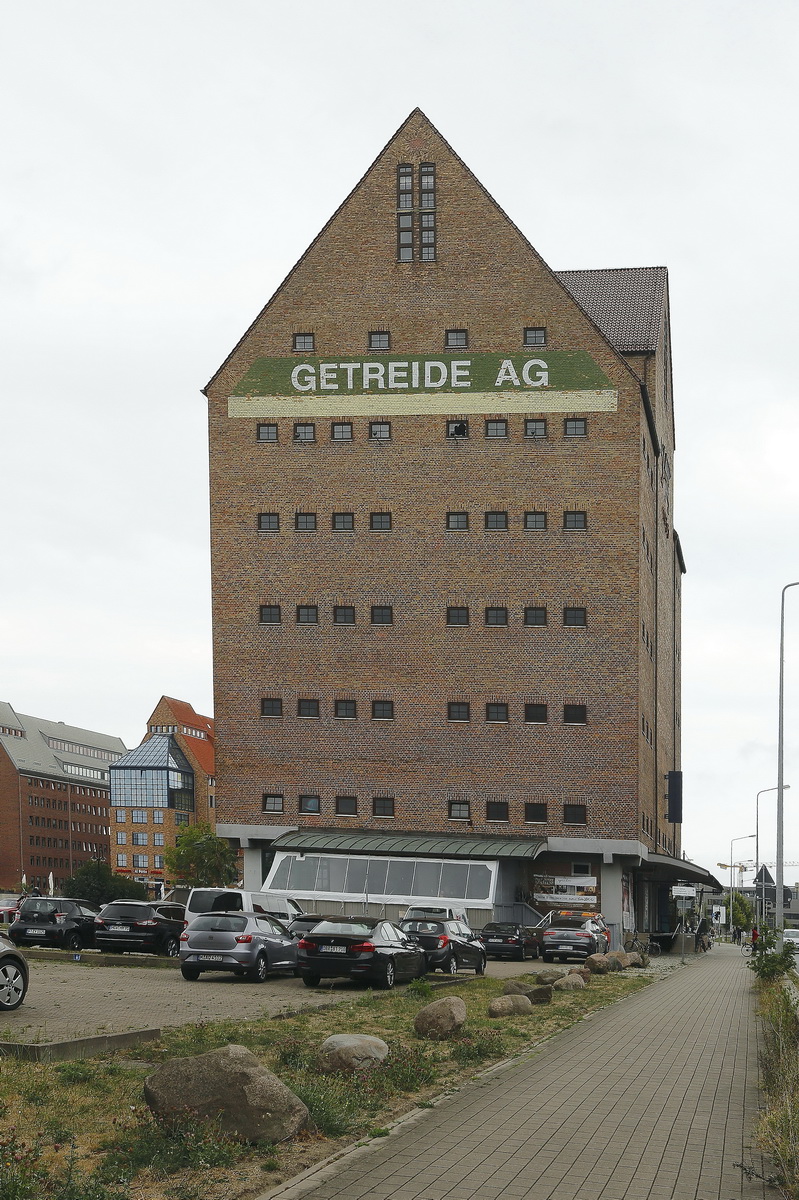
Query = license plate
x=565 y=947
x=334 y=949
x=119 y=928
x=213 y=957
x=495 y=939
x=36 y=933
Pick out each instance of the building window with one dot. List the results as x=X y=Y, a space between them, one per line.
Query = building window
x=305 y=520
x=343 y=521
x=181 y=818
x=379 y=339
x=582 y=868
x=382 y=614
x=457 y=520
x=158 y=819
x=537 y=813
x=574 y=814
x=309 y=804
x=380 y=431
x=535 y=335
x=427 y=233
x=574 y=616
x=341 y=431
x=382 y=710
x=404 y=232
x=346 y=709
x=122 y=837
x=304 y=431
x=574 y=520
x=456 y=339
x=496 y=429
x=270 y=614
x=122 y=860
x=427 y=185
x=347 y=806
x=307 y=614
x=121 y=815
x=267 y=433
x=139 y=839
x=496 y=616
x=158 y=862
x=307 y=708
x=535 y=520
x=140 y=862
x=574 y=714
x=383 y=806
x=535 y=615
x=575 y=427
x=271 y=802
x=457 y=429
x=269 y=521
x=404 y=185
x=535 y=428
x=343 y=614
x=496 y=520
x=380 y=520
x=458 y=710
x=535 y=714
x=139 y=816
x=158 y=839
x=497 y=810
x=303 y=341
x=496 y=712
x=457 y=615
x=271 y=706
x=459 y=810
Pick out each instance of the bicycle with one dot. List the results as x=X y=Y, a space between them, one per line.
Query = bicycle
x=650 y=947
x=746 y=949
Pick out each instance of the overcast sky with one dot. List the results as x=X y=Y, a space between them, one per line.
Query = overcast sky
x=165 y=162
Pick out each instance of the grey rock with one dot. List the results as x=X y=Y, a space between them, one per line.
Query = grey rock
x=506 y=1006
x=350 y=1052
x=621 y=957
x=583 y=972
x=597 y=964
x=569 y=983
x=550 y=976
x=536 y=993
x=441 y=1019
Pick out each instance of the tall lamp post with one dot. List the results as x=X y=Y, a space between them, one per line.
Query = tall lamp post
x=760 y=901
x=744 y=838
x=779 y=914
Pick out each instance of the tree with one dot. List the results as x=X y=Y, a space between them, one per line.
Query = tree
x=201 y=859
x=97 y=883
x=743 y=914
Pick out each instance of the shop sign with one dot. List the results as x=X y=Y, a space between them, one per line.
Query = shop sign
x=566 y=891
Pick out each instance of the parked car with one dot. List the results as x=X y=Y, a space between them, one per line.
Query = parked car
x=434 y=912
x=448 y=945
x=571 y=935
x=304 y=924
x=13 y=976
x=359 y=948
x=553 y=917
x=54 y=921
x=125 y=925
x=790 y=937
x=504 y=939
x=204 y=900
x=248 y=944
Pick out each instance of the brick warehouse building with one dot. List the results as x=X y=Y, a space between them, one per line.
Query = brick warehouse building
x=446 y=583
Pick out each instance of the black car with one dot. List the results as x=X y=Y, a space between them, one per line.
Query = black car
x=571 y=936
x=304 y=924
x=54 y=921
x=13 y=977
x=448 y=945
x=359 y=948
x=137 y=925
x=504 y=939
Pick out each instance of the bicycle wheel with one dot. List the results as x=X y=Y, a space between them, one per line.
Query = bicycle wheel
x=746 y=950
x=654 y=949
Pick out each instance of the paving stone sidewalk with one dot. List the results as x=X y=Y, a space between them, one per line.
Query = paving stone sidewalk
x=652 y=1099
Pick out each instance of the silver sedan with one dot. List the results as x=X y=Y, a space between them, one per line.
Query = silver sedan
x=247 y=943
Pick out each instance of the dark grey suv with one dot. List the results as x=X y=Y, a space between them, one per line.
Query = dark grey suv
x=136 y=925
x=54 y=921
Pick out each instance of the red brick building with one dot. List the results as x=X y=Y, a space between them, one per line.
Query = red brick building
x=446 y=581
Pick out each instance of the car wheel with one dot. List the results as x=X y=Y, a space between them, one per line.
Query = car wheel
x=259 y=969
x=171 y=947
x=73 y=942
x=535 y=951
x=312 y=980
x=12 y=986
x=450 y=966
x=547 y=957
x=389 y=976
x=480 y=969
x=190 y=973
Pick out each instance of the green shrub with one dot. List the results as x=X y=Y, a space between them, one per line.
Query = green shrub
x=180 y=1142
x=487 y=1043
x=336 y=1102
x=420 y=989
x=767 y=961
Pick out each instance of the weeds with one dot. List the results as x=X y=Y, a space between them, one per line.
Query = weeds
x=336 y=1102
x=23 y=1175
x=488 y=1043
x=184 y=1142
x=420 y=989
x=777 y=1131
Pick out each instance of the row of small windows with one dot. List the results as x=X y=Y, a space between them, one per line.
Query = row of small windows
x=383 y=614
x=141 y=862
x=139 y=839
x=454 y=339
x=457 y=710
x=457 y=810
x=304 y=432
x=494 y=519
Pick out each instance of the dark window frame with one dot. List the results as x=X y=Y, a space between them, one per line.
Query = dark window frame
x=501 y=422
x=382 y=710
x=457 y=430
x=536 y=714
x=386 y=802
x=305 y=618
x=268 y=522
x=334 y=425
x=571 y=714
x=306 y=522
x=311 y=704
x=276 y=702
x=489 y=516
x=303 y=440
x=530 y=338
x=571 y=617
x=458 y=528
x=381 y=608
x=266 y=796
x=452 y=339
x=575 y=433
x=536 y=610
x=339 y=707
x=264 y=620
x=575 y=519
x=342 y=528
x=496 y=611
x=537 y=422
x=339 y=609
x=459 y=810
x=459 y=710
x=536 y=813
x=374 y=437
x=376 y=527
x=263 y=425
x=377 y=334
x=537 y=525
x=346 y=806
x=575 y=814
x=458 y=608
x=297 y=348
x=309 y=802
x=497 y=810
x=493 y=709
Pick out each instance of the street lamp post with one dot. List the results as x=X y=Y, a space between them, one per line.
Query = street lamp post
x=760 y=901
x=744 y=838
x=779 y=914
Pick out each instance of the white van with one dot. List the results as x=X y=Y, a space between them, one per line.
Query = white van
x=204 y=900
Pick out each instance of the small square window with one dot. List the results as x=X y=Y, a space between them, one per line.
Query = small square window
x=343 y=521
x=382 y=710
x=139 y=862
x=575 y=427
x=535 y=520
x=574 y=714
x=457 y=520
x=496 y=520
x=121 y=815
x=269 y=521
x=380 y=520
x=139 y=816
x=304 y=431
x=269 y=614
x=457 y=429
x=535 y=615
x=271 y=706
x=139 y=839
x=535 y=812
x=496 y=429
x=158 y=839
x=305 y=521
x=308 y=804
x=341 y=431
x=122 y=837
x=346 y=710
x=457 y=615
x=267 y=433
x=122 y=860
x=303 y=341
x=497 y=810
x=459 y=810
x=382 y=614
x=380 y=339
x=574 y=814
x=496 y=616
x=535 y=335
x=380 y=431
x=456 y=339
x=343 y=614
x=582 y=868
x=535 y=714
x=158 y=818
x=574 y=520
x=574 y=616
x=458 y=710
x=383 y=806
x=307 y=708
x=535 y=428
x=346 y=806
x=496 y=712
x=307 y=614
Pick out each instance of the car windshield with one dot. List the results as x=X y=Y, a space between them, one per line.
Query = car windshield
x=40 y=908
x=422 y=926
x=361 y=928
x=568 y=923
x=127 y=912
x=500 y=927
x=213 y=901
x=219 y=923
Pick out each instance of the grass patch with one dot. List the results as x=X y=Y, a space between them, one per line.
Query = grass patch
x=777 y=1130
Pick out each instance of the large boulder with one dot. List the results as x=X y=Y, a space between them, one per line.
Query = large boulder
x=550 y=976
x=229 y=1086
x=569 y=983
x=597 y=964
x=613 y=962
x=441 y=1019
x=507 y=1006
x=621 y=956
x=536 y=993
x=583 y=972
x=635 y=959
x=350 y=1052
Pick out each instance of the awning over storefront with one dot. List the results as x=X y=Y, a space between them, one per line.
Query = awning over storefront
x=664 y=869
x=408 y=844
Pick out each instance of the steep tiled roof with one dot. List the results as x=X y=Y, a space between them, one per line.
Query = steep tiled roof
x=626 y=303
x=201 y=748
x=57 y=750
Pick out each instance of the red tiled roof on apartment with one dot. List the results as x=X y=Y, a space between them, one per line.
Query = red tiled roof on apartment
x=201 y=747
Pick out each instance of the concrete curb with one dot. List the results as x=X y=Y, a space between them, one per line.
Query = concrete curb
x=87 y=1047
